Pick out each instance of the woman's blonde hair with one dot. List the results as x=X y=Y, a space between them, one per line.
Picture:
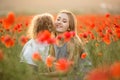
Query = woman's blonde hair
x=39 y=23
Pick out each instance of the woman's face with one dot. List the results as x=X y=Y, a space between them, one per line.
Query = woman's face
x=62 y=22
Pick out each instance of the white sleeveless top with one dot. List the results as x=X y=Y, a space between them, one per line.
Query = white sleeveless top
x=33 y=46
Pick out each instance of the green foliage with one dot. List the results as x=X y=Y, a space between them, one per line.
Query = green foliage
x=12 y=69
x=103 y=54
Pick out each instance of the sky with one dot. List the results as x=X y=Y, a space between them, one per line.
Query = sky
x=53 y=6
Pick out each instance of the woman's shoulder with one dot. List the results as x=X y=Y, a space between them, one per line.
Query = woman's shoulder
x=75 y=43
x=75 y=40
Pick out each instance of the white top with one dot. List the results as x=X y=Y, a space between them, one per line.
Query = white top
x=33 y=46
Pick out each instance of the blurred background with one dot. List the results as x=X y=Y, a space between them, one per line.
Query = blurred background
x=53 y=6
x=100 y=35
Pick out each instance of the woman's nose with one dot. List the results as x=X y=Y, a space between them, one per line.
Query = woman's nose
x=59 y=22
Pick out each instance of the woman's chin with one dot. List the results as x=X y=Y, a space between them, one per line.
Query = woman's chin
x=59 y=30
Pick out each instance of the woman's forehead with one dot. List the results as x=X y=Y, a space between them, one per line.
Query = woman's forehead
x=63 y=15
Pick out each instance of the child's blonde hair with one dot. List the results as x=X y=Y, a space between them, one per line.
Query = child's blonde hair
x=40 y=23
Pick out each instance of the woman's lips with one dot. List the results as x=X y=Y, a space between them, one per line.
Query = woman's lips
x=59 y=26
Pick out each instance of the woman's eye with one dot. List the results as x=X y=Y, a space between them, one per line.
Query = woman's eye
x=58 y=19
x=64 y=21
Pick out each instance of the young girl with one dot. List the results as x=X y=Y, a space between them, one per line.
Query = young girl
x=39 y=24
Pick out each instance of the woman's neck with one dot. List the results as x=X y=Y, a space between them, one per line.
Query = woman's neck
x=61 y=41
x=59 y=33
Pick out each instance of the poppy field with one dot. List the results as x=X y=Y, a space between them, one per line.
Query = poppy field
x=100 y=35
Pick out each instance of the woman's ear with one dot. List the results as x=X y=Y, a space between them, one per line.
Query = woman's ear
x=68 y=29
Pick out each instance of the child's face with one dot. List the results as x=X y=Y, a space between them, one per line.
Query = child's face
x=62 y=22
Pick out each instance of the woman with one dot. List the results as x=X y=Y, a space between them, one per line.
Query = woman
x=69 y=49
x=40 y=23
x=66 y=22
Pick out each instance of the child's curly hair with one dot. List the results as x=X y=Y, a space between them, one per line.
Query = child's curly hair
x=40 y=23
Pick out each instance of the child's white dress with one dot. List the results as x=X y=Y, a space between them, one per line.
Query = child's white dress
x=33 y=46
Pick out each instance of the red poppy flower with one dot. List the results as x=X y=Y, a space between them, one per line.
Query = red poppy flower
x=115 y=70
x=107 y=15
x=36 y=56
x=92 y=25
x=109 y=31
x=18 y=28
x=85 y=35
x=83 y=55
x=23 y=39
x=72 y=33
x=44 y=36
x=51 y=41
x=99 y=74
x=59 y=37
x=8 y=41
x=67 y=35
x=106 y=39
x=7 y=22
x=11 y=17
x=62 y=65
x=117 y=32
x=49 y=61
